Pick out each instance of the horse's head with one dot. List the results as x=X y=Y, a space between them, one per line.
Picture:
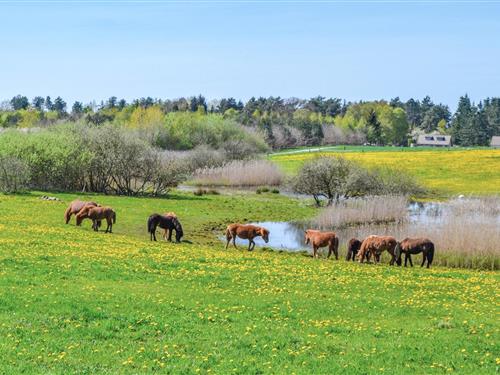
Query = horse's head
x=397 y=253
x=307 y=239
x=178 y=230
x=79 y=219
x=265 y=234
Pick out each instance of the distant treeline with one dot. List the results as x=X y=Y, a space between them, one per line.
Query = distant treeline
x=185 y=123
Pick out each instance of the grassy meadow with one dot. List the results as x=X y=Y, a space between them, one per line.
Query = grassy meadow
x=75 y=301
x=444 y=171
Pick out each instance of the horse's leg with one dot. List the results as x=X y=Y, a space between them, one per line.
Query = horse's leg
x=423 y=260
x=249 y=244
x=228 y=240
x=315 y=251
x=409 y=258
x=330 y=251
x=393 y=258
x=234 y=240
x=170 y=230
x=406 y=259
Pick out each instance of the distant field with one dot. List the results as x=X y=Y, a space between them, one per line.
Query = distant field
x=454 y=171
x=75 y=301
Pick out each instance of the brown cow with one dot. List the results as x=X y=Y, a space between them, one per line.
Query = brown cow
x=415 y=246
x=246 y=231
x=376 y=245
x=75 y=207
x=322 y=239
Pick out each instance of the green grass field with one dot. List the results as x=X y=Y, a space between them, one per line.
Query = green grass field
x=75 y=301
x=443 y=171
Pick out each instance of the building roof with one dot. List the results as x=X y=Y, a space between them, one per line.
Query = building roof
x=434 y=140
x=495 y=141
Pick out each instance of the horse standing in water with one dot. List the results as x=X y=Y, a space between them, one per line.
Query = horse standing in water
x=75 y=207
x=415 y=246
x=169 y=222
x=375 y=245
x=322 y=239
x=246 y=231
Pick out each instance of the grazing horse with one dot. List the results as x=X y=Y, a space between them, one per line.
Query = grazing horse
x=96 y=214
x=168 y=222
x=83 y=214
x=376 y=245
x=415 y=246
x=75 y=207
x=322 y=239
x=246 y=231
x=352 y=249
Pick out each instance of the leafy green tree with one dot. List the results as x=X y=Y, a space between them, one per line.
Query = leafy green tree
x=111 y=103
x=59 y=106
x=433 y=116
x=19 y=102
x=38 y=103
x=77 y=109
x=49 y=106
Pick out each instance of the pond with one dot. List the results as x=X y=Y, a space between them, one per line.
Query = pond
x=424 y=219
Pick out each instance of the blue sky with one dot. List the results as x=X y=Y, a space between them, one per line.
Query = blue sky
x=355 y=50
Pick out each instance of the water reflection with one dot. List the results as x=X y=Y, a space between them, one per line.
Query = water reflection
x=424 y=219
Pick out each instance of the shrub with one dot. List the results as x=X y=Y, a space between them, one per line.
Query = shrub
x=14 y=174
x=336 y=178
x=332 y=178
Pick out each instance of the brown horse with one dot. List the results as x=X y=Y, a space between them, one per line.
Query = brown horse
x=376 y=245
x=75 y=207
x=82 y=214
x=353 y=247
x=415 y=246
x=322 y=239
x=246 y=231
x=96 y=214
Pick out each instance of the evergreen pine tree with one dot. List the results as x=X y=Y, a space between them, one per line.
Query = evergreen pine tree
x=374 y=128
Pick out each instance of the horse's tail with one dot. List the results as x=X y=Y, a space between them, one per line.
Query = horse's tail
x=114 y=217
x=67 y=214
x=228 y=234
x=430 y=253
x=336 y=244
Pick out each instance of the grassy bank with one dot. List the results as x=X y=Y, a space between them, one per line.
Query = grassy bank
x=74 y=301
x=455 y=171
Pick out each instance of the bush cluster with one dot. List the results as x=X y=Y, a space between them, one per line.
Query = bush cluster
x=336 y=178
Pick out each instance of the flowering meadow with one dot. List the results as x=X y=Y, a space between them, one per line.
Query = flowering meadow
x=76 y=301
x=455 y=171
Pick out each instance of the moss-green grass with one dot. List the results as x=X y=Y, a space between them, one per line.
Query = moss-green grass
x=75 y=301
x=444 y=171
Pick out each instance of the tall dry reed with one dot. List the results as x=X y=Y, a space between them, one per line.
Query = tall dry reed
x=375 y=209
x=240 y=173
